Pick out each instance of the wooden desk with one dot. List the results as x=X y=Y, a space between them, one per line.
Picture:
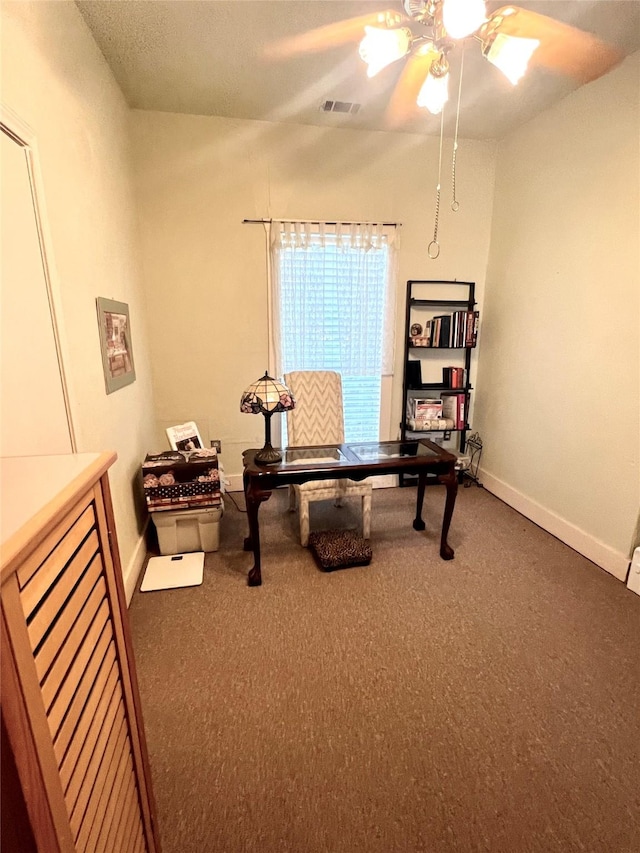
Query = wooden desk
x=352 y=461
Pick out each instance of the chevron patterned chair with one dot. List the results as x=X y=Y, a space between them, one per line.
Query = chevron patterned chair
x=318 y=418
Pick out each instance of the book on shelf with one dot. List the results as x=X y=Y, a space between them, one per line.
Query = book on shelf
x=457 y=330
x=434 y=330
x=447 y=331
x=414 y=375
x=456 y=325
x=471 y=330
x=453 y=407
x=454 y=377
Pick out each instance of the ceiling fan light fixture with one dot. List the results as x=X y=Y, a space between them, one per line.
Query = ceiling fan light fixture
x=434 y=92
x=463 y=17
x=510 y=54
x=381 y=47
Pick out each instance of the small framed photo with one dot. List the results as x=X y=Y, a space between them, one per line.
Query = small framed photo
x=115 y=344
x=184 y=437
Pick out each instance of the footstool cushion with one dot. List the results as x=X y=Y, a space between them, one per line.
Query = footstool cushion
x=339 y=549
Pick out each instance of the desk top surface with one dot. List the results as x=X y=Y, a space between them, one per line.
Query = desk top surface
x=335 y=458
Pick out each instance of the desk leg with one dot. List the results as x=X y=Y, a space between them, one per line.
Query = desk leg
x=450 y=480
x=253 y=498
x=418 y=523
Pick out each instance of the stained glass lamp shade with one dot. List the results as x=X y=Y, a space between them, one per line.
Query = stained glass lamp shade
x=266 y=397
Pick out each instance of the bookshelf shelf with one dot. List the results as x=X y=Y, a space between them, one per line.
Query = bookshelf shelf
x=450 y=303
x=433 y=349
x=446 y=329
x=427 y=431
x=439 y=386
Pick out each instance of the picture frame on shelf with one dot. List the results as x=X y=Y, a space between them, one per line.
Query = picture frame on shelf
x=115 y=344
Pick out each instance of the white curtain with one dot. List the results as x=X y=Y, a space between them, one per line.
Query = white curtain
x=332 y=306
x=334 y=264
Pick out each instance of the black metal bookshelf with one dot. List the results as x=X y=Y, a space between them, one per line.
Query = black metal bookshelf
x=421 y=309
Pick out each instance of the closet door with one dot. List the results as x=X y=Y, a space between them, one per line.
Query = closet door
x=34 y=412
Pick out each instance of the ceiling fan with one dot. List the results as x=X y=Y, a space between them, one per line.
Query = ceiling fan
x=425 y=32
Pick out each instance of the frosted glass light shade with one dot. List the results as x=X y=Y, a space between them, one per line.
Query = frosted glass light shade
x=380 y=48
x=511 y=55
x=463 y=17
x=434 y=93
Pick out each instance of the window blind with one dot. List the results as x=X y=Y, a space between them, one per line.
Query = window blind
x=331 y=301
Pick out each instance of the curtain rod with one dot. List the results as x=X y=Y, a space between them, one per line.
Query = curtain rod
x=316 y=222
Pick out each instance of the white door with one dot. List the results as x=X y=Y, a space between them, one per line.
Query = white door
x=33 y=411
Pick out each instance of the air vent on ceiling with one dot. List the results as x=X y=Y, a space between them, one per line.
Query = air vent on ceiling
x=340 y=107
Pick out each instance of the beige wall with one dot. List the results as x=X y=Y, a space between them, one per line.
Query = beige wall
x=55 y=78
x=199 y=177
x=558 y=399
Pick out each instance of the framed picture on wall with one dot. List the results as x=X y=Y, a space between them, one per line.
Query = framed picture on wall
x=115 y=344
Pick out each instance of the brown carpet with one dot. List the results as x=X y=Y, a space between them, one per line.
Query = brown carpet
x=491 y=703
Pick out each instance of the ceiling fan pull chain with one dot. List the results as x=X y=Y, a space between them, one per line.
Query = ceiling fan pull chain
x=455 y=204
x=433 y=249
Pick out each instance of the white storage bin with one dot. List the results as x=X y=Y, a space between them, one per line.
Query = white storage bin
x=188 y=529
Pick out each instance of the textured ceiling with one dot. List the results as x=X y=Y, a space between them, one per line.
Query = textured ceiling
x=212 y=58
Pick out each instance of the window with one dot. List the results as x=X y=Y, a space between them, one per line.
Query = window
x=333 y=310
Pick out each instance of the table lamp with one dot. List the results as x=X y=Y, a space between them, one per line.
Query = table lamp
x=266 y=396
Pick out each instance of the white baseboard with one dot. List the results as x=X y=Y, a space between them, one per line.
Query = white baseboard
x=234 y=483
x=612 y=561
x=132 y=571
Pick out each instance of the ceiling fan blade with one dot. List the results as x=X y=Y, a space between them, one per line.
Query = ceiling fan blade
x=402 y=105
x=331 y=35
x=563 y=48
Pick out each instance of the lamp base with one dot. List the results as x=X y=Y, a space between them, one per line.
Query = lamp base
x=267 y=456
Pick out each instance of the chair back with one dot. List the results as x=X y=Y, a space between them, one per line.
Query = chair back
x=318 y=417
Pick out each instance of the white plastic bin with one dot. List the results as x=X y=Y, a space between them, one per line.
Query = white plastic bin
x=188 y=529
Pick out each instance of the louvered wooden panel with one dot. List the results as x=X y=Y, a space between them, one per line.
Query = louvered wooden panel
x=124 y=820
x=43 y=617
x=86 y=600
x=139 y=844
x=67 y=612
x=114 y=804
x=94 y=612
x=97 y=772
x=64 y=609
x=112 y=799
x=65 y=712
x=90 y=723
x=90 y=753
x=36 y=588
x=37 y=557
x=128 y=829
